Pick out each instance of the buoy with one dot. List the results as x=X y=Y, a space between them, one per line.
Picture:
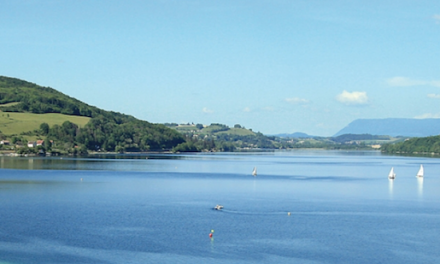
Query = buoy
x=210 y=235
x=212 y=230
x=288 y=213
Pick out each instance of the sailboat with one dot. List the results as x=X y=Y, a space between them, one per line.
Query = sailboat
x=420 y=173
x=254 y=172
x=392 y=175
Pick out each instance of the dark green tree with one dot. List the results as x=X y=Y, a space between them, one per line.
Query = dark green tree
x=44 y=127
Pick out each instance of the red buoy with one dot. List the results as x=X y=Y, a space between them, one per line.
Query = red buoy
x=210 y=234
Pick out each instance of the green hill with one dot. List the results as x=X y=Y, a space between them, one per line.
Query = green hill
x=213 y=129
x=21 y=96
x=219 y=137
x=30 y=111
x=423 y=145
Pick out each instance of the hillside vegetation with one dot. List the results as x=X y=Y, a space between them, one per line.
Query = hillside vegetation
x=83 y=127
x=220 y=137
x=425 y=145
x=30 y=112
x=24 y=97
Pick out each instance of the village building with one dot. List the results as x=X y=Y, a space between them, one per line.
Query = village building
x=5 y=142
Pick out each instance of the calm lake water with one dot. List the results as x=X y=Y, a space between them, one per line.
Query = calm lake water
x=158 y=209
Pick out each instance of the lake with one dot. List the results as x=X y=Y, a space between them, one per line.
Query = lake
x=159 y=208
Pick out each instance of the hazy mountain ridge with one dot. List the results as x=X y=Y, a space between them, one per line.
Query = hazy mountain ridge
x=393 y=127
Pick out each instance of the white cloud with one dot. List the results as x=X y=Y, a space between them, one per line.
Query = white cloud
x=296 y=100
x=403 y=81
x=268 y=108
x=207 y=111
x=437 y=18
x=437 y=96
x=435 y=83
x=406 y=82
x=353 y=98
x=428 y=115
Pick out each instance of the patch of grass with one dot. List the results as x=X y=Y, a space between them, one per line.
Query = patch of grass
x=237 y=131
x=186 y=128
x=8 y=104
x=214 y=129
x=16 y=123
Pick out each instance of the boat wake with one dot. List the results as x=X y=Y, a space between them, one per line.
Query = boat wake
x=303 y=213
x=255 y=212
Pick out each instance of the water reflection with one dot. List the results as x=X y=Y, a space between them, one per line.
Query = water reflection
x=390 y=187
x=31 y=164
x=420 y=186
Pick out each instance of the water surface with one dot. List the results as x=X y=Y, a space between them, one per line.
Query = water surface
x=158 y=209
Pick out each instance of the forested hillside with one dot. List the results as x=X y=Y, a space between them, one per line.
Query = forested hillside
x=106 y=130
x=220 y=137
x=76 y=127
x=21 y=96
x=415 y=146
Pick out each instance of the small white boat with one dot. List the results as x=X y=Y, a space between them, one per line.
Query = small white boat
x=421 y=172
x=218 y=207
x=254 y=172
x=392 y=175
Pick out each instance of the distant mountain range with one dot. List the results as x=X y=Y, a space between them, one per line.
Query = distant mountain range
x=393 y=127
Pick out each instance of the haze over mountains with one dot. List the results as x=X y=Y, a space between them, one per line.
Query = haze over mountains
x=406 y=127
x=393 y=127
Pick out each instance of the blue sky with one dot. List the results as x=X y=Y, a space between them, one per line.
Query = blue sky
x=278 y=66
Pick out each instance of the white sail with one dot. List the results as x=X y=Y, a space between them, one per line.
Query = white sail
x=420 y=173
x=254 y=172
x=392 y=175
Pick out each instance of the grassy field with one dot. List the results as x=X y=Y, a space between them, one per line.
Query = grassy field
x=186 y=128
x=8 y=104
x=209 y=130
x=238 y=131
x=16 y=123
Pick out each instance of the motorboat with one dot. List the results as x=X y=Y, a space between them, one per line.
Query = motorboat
x=218 y=207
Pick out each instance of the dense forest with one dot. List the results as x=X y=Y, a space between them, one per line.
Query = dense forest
x=21 y=96
x=415 y=146
x=106 y=130
x=227 y=142
x=220 y=137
